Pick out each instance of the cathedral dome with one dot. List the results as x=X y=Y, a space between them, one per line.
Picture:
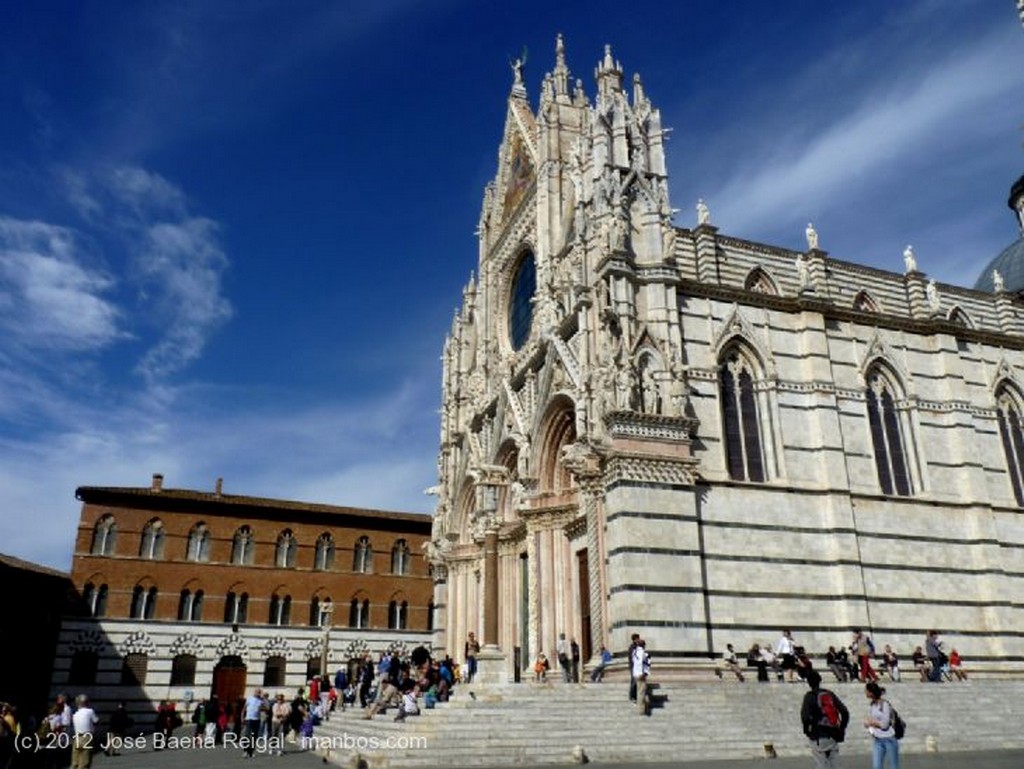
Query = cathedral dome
x=1010 y=262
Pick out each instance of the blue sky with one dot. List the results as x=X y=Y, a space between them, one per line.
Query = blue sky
x=232 y=235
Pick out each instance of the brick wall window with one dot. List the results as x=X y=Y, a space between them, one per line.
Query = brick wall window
x=104 y=536
x=398 y=615
x=242 y=547
x=95 y=599
x=190 y=606
x=400 y=557
x=284 y=557
x=280 y=610
x=198 y=547
x=359 y=613
x=236 y=608
x=362 y=559
x=152 y=543
x=324 y=559
x=143 y=603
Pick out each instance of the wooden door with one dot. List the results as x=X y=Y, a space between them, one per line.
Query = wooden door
x=229 y=680
x=583 y=565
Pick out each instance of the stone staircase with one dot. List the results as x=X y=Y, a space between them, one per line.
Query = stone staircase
x=542 y=723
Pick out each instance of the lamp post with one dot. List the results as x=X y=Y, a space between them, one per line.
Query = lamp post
x=326 y=612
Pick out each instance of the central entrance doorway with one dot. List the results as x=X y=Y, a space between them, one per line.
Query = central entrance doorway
x=229 y=680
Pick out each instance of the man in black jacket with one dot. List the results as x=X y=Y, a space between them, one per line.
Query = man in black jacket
x=824 y=718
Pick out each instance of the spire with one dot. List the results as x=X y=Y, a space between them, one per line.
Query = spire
x=561 y=73
x=638 y=91
x=608 y=73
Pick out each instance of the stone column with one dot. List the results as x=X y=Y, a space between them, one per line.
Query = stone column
x=591 y=491
x=439 y=640
x=491 y=587
x=585 y=463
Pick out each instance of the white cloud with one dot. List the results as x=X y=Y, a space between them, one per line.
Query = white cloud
x=144 y=192
x=49 y=297
x=180 y=268
x=896 y=119
x=363 y=452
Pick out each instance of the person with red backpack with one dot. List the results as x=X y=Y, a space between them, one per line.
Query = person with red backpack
x=824 y=718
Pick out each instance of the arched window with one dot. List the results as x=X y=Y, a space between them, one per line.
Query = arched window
x=359 y=614
x=320 y=611
x=280 y=610
x=430 y=615
x=241 y=547
x=398 y=615
x=133 y=670
x=960 y=318
x=185 y=605
x=95 y=599
x=324 y=558
x=183 y=670
x=143 y=603
x=190 y=606
x=104 y=536
x=740 y=421
x=864 y=302
x=152 y=543
x=400 y=557
x=198 y=548
x=760 y=282
x=362 y=560
x=284 y=557
x=886 y=436
x=273 y=673
x=1008 y=413
x=520 y=310
x=84 y=664
x=236 y=608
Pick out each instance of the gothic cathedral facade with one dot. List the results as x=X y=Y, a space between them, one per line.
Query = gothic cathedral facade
x=670 y=431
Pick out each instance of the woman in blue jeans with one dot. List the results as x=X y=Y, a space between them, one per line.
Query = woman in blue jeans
x=880 y=725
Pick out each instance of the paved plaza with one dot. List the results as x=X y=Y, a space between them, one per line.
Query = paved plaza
x=216 y=758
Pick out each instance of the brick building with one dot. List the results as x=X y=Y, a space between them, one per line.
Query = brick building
x=181 y=592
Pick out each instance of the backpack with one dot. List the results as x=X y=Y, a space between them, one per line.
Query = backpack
x=829 y=721
x=899 y=726
x=871 y=646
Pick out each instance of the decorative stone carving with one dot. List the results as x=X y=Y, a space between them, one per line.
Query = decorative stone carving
x=356 y=649
x=187 y=643
x=232 y=646
x=932 y=293
x=315 y=648
x=137 y=642
x=998 y=285
x=398 y=649
x=277 y=647
x=89 y=641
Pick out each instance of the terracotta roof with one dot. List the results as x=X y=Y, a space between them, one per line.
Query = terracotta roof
x=165 y=498
x=18 y=563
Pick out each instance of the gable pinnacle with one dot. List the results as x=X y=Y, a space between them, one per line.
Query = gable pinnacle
x=561 y=73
